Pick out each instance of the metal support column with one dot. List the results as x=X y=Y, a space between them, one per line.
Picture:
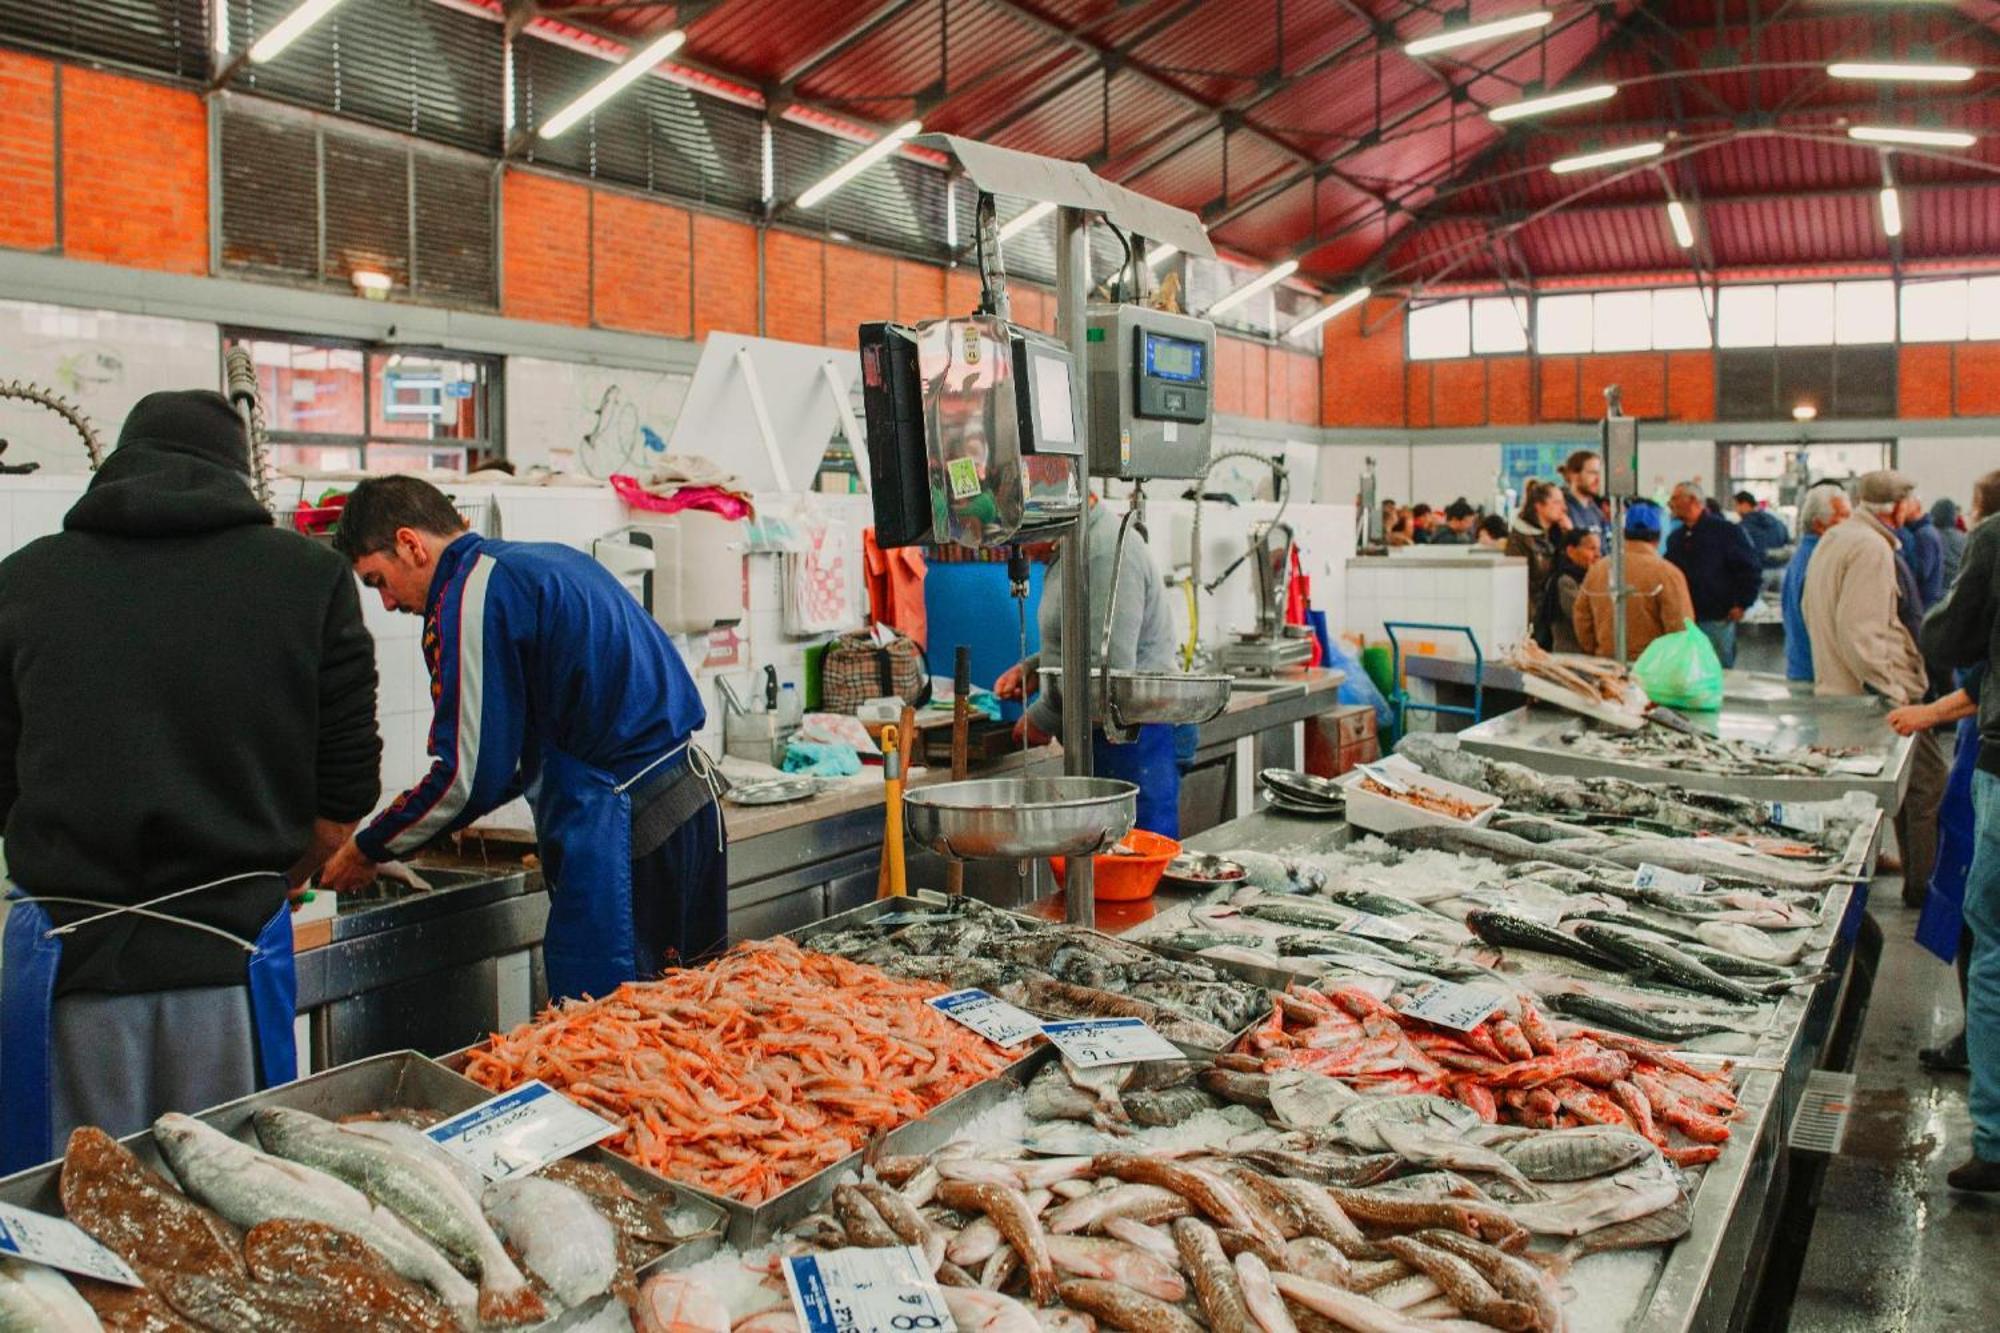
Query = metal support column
x=1072 y=279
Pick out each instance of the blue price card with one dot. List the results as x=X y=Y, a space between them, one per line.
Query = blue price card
x=988 y=1015
x=56 y=1242
x=1089 y=1042
x=866 y=1291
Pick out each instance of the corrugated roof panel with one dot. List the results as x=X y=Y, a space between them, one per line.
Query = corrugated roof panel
x=763 y=41
x=1191 y=178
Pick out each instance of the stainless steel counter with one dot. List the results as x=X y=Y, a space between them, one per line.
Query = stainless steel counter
x=1531 y=735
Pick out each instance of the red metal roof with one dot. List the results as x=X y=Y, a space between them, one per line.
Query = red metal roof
x=1301 y=128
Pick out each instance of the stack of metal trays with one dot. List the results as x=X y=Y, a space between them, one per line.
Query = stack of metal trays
x=1297 y=793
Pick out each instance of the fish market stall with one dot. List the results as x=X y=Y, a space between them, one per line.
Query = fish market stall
x=1772 y=748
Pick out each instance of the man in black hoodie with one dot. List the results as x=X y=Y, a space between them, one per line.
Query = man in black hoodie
x=187 y=726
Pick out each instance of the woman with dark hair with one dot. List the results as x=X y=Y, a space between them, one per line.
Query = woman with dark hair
x=1532 y=536
x=1577 y=549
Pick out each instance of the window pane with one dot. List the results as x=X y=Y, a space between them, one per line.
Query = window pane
x=317 y=457
x=308 y=389
x=1982 y=318
x=1500 y=324
x=1680 y=317
x=1563 y=324
x=1440 y=331
x=1934 y=312
x=1624 y=321
x=415 y=458
x=1746 y=317
x=1805 y=314
x=422 y=397
x=1864 y=312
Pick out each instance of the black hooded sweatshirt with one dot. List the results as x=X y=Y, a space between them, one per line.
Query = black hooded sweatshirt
x=183 y=688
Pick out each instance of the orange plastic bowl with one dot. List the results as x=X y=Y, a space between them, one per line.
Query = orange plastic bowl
x=1132 y=874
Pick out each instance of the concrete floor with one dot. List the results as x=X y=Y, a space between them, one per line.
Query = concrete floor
x=1893 y=1249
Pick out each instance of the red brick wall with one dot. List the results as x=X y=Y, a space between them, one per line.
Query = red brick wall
x=134 y=172
x=27 y=152
x=545 y=266
x=794 y=287
x=860 y=287
x=725 y=276
x=1362 y=383
x=638 y=264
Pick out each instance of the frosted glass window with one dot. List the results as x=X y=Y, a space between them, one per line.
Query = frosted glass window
x=1805 y=314
x=1440 y=331
x=1624 y=321
x=1746 y=317
x=1563 y=324
x=1500 y=324
x=1680 y=317
x=1864 y=312
x=1934 y=312
x=1982 y=319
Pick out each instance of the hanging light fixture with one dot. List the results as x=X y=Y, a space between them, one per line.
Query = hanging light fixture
x=1914 y=138
x=1452 y=38
x=1329 y=310
x=1269 y=278
x=1610 y=157
x=1542 y=106
x=1897 y=72
x=819 y=190
x=613 y=83
x=1164 y=250
x=1892 y=212
x=289 y=29
x=1025 y=219
x=1677 y=218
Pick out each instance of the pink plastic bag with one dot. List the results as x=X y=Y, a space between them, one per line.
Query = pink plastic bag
x=714 y=500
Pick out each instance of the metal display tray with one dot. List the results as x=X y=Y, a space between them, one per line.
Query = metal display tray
x=926 y=901
x=379 y=1083
x=1530 y=736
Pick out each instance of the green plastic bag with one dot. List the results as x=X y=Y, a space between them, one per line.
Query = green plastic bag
x=1681 y=670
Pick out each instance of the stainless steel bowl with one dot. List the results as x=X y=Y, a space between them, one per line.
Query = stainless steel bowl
x=1018 y=819
x=1142 y=697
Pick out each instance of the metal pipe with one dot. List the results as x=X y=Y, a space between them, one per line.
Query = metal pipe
x=1072 y=278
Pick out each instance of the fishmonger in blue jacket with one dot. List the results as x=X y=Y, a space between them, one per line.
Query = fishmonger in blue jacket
x=548 y=677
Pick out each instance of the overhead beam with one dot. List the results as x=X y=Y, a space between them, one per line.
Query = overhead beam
x=839 y=46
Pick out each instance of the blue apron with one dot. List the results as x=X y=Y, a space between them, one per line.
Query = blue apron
x=583 y=827
x=29 y=956
x=1943 y=916
x=1147 y=761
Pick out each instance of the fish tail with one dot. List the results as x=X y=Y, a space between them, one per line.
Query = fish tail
x=510 y=1303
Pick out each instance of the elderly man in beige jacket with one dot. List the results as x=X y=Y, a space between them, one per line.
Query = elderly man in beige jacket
x=1861 y=646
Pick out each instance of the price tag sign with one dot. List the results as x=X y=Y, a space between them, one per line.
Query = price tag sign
x=1090 y=1042
x=59 y=1243
x=1384 y=776
x=520 y=1131
x=866 y=1291
x=1792 y=815
x=1651 y=876
x=988 y=1015
x=1371 y=927
x=1859 y=765
x=1450 y=1005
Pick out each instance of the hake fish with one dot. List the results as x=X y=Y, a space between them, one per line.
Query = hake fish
x=248 y=1187
x=561 y=1238
x=1663 y=962
x=34 y=1299
x=423 y=1192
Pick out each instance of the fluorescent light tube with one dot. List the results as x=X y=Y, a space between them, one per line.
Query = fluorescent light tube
x=1451 y=38
x=1610 y=157
x=1164 y=250
x=289 y=29
x=1892 y=211
x=1677 y=216
x=1888 y=71
x=1899 y=134
x=1268 y=278
x=613 y=83
x=860 y=162
x=1329 y=310
x=1539 y=106
x=1025 y=219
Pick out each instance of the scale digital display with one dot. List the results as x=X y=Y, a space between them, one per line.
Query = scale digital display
x=1174 y=359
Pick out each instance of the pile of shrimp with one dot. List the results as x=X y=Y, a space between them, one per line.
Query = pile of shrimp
x=749 y=1075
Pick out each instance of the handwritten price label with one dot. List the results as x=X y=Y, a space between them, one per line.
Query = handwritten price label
x=520 y=1131
x=988 y=1015
x=1650 y=876
x=1090 y=1042
x=866 y=1291
x=1450 y=1005
x=57 y=1243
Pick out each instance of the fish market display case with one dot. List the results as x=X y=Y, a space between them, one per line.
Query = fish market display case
x=1532 y=736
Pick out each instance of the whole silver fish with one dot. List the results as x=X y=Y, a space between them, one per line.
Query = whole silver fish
x=34 y=1299
x=1115 y=1261
x=1143 y=1203
x=423 y=1193
x=561 y=1237
x=247 y=1187
x=1349 y=1309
